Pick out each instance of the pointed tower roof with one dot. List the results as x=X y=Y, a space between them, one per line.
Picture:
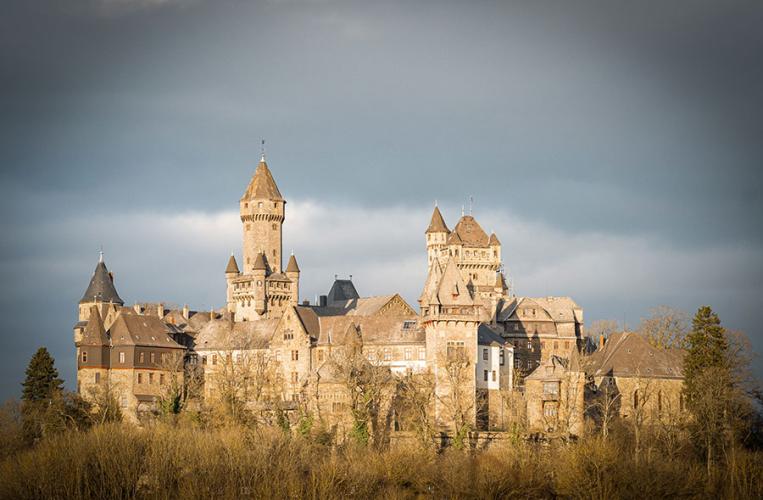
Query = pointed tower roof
x=259 y=262
x=452 y=289
x=262 y=185
x=493 y=240
x=232 y=266
x=470 y=232
x=342 y=290
x=94 y=333
x=437 y=224
x=101 y=287
x=429 y=294
x=292 y=266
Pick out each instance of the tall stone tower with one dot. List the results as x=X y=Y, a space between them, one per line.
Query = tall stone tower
x=260 y=288
x=262 y=211
x=101 y=295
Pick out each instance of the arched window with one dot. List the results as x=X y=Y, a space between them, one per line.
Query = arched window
x=635 y=399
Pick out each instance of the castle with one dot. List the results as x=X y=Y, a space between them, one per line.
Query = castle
x=271 y=343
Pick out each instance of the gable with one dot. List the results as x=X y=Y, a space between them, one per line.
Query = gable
x=396 y=306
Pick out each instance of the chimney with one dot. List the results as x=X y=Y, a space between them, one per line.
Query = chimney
x=186 y=311
x=306 y=302
x=160 y=309
x=323 y=300
x=602 y=341
x=211 y=314
x=137 y=308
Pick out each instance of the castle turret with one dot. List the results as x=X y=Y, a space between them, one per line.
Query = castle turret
x=437 y=235
x=231 y=272
x=259 y=273
x=100 y=293
x=292 y=272
x=262 y=211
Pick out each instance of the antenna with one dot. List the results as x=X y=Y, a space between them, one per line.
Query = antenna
x=471 y=203
x=262 y=150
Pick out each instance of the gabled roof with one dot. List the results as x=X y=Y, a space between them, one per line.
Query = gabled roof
x=141 y=330
x=437 y=224
x=309 y=320
x=341 y=291
x=292 y=266
x=452 y=290
x=628 y=354
x=224 y=334
x=453 y=239
x=553 y=368
x=470 y=232
x=94 y=333
x=232 y=266
x=262 y=185
x=101 y=287
x=486 y=336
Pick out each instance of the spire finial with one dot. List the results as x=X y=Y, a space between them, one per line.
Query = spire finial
x=262 y=150
x=471 y=204
x=462 y=210
x=100 y=254
x=435 y=202
x=292 y=251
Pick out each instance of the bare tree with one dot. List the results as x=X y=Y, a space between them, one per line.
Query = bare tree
x=604 y=404
x=182 y=382
x=665 y=328
x=104 y=402
x=604 y=327
x=641 y=396
x=459 y=399
x=415 y=400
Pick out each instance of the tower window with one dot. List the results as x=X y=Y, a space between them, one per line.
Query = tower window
x=84 y=356
x=275 y=226
x=121 y=357
x=259 y=205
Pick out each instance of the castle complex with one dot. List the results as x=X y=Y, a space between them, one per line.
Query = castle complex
x=476 y=338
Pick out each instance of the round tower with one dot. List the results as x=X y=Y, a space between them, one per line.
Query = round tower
x=262 y=210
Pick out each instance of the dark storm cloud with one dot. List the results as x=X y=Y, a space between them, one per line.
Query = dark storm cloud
x=633 y=125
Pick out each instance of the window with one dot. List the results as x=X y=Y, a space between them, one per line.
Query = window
x=455 y=350
x=164 y=357
x=203 y=360
x=485 y=375
x=484 y=355
x=141 y=357
x=659 y=402
x=371 y=355
x=566 y=344
x=408 y=354
x=153 y=358
x=635 y=399
x=494 y=377
x=288 y=335
x=140 y=378
x=502 y=356
x=422 y=353
x=275 y=226
x=529 y=364
x=551 y=389
x=150 y=378
x=294 y=377
x=336 y=407
x=387 y=354
x=214 y=359
x=517 y=363
x=529 y=345
x=320 y=355
x=97 y=377
x=161 y=379
x=84 y=356
x=121 y=357
x=549 y=409
x=259 y=205
x=556 y=345
x=295 y=355
x=238 y=358
x=278 y=356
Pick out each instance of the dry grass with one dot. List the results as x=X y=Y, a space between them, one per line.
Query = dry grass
x=120 y=461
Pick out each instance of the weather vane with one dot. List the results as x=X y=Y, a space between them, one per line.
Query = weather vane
x=262 y=150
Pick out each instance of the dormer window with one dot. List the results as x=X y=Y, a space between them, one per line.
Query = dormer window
x=259 y=205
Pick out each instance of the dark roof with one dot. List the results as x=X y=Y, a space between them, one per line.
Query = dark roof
x=131 y=328
x=309 y=320
x=262 y=185
x=342 y=290
x=232 y=266
x=101 y=287
x=486 y=336
x=437 y=224
x=292 y=266
x=94 y=333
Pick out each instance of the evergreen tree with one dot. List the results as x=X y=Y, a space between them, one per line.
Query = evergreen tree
x=42 y=380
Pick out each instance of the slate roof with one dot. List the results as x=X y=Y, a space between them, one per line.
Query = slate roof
x=292 y=266
x=262 y=185
x=232 y=266
x=141 y=330
x=470 y=232
x=560 y=309
x=437 y=224
x=223 y=334
x=94 y=334
x=486 y=336
x=101 y=287
x=342 y=291
x=629 y=354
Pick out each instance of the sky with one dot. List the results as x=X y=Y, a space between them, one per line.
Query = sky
x=616 y=149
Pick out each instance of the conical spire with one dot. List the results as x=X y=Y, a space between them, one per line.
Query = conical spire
x=232 y=266
x=292 y=266
x=94 y=333
x=262 y=185
x=259 y=262
x=452 y=289
x=437 y=224
x=493 y=240
x=101 y=287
